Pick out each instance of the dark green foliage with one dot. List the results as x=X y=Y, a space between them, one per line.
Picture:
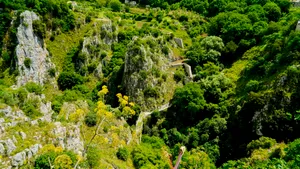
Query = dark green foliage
x=42 y=161
x=123 y=154
x=151 y=92
x=56 y=106
x=39 y=28
x=67 y=80
x=52 y=72
x=115 y=5
x=27 y=62
x=90 y=119
x=273 y=12
x=179 y=74
x=187 y=103
x=34 y=88
x=252 y=85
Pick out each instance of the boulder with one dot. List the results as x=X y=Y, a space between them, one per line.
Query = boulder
x=179 y=42
x=10 y=146
x=2 y=149
x=18 y=159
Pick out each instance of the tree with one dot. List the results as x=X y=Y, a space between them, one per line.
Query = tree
x=208 y=50
x=67 y=80
x=187 y=103
x=115 y=5
x=273 y=12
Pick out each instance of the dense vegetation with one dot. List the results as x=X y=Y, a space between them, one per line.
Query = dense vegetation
x=240 y=110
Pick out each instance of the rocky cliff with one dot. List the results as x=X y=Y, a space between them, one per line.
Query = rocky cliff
x=146 y=77
x=32 y=56
x=95 y=47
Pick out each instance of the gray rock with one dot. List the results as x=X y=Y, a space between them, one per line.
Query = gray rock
x=10 y=146
x=34 y=122
x=30 y=46
x=23 y=135
x=28 y=153
x=179 y=42
x=68 y=137
x=2 y=120
x=2 y=149
x=18 y=159
x=132 y=3
x=35 y=148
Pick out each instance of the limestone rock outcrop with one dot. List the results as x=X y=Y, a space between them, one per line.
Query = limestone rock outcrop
x=145 y=72
x=32 y=56
x=68 y=137
x=93 y=47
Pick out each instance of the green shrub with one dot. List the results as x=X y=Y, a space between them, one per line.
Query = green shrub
x=31 y=108
x=32 y=87
x=262 y=142
x=27 y=62
x=151 y=92
x=52 y=72
x=115 y=5
x=42 y=162
x=179 y=74
x=252 y=85
x=56 y=106
x=93 y=156
x=39 y=28
x=123 y=153
x=90 y=119
x=67 y=80
x=92 y=67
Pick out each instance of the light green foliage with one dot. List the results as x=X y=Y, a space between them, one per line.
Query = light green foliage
x=63 y=162
x=93 y=155
x=263 y=142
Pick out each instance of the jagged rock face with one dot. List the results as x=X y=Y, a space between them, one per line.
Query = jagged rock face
x=144 y=57
x=20 y=158
x=68 y=137
x=31 y=47
x=99 y=43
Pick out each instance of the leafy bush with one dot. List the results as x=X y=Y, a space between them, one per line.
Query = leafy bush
x=67 y=80
x=52 y=72
x=27 y=62
x=93 y=156
x=252 y=85
x=31 y=108
x=90 y=119
x=262 y=142
x=123 y=154
x=179 y=75
x=34 y=88
x=63 y=162
x=39 y=28
x=115 y=5
x=42 y=162
x=151 y=92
